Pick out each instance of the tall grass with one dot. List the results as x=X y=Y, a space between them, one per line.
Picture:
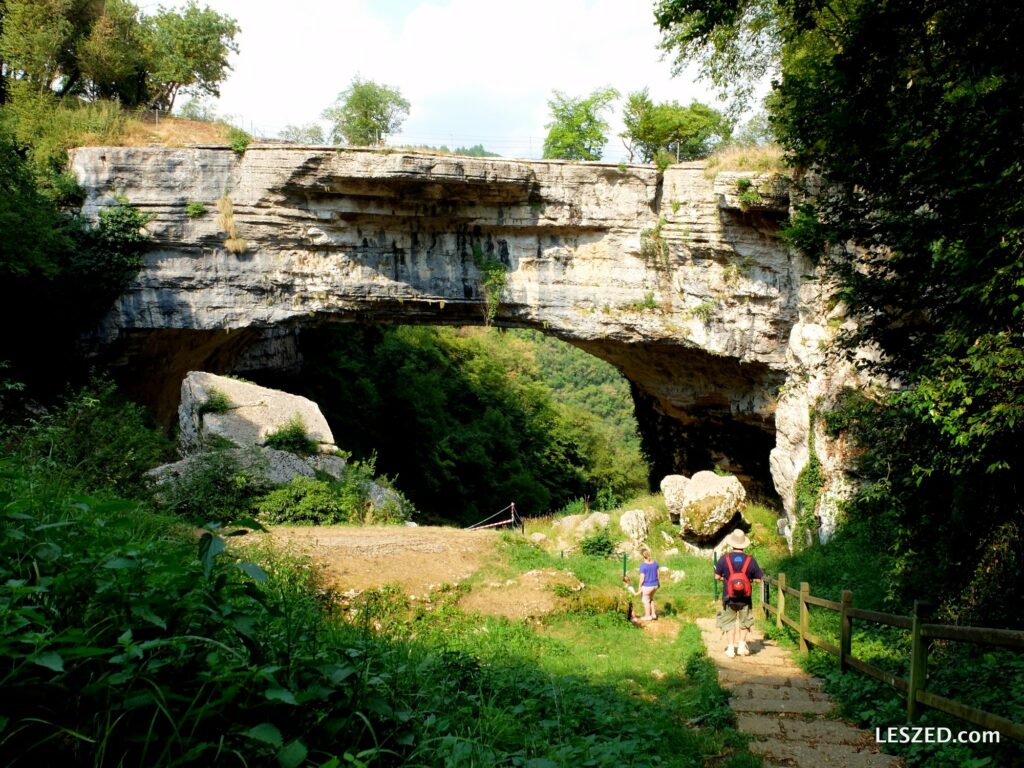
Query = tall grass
x=766 y=158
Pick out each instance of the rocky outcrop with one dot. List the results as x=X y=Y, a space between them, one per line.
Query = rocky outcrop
x=633 y=523
x=672 y=489
x=677 y=279
x=273 y=466
x=709 y=507
x=221 y=411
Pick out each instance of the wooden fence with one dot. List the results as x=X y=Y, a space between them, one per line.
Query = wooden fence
x=921 y=632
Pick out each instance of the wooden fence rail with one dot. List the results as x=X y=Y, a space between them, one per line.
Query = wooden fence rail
x=920 y=633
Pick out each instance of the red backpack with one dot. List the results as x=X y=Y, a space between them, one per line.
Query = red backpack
x=737 y=586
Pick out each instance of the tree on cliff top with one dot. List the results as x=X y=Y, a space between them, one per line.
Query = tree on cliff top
x=678 y=132
x=110 y=50
x=577 y=130
x=366 y=113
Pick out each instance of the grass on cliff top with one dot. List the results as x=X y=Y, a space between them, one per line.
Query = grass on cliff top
x=172 y=132
x=760 y=159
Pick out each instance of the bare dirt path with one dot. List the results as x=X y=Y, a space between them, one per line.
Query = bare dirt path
x=417 y=559
x=784 y=709
x=423 y=558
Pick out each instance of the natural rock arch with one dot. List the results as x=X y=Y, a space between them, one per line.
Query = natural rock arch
x=667 y=276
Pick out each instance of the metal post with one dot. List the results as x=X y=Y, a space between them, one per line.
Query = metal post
x=623 y=565
x=713 y=564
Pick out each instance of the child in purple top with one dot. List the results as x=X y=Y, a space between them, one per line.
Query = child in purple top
x=648 y=584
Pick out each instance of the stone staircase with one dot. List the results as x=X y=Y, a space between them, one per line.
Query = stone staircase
x=784 y=709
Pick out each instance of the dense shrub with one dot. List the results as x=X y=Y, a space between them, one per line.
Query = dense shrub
x=356 y=497
x=219 y=485
x=309 y=501
x=292 y=437
x=96 y=438
x=598 y=544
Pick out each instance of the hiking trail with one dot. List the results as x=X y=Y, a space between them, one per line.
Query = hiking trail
x=784 y=708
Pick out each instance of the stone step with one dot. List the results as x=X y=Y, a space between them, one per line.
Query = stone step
x=820 y=755
x=730 y=677
x=797 y=707
x=754 y=690
x=824 y=731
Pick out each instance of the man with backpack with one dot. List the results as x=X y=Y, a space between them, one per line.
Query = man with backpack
x=738 y=571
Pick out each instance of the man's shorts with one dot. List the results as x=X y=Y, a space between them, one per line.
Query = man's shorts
x=728 y=618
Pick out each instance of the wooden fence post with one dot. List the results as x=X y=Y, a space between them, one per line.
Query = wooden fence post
x=918 y=660
x=805 y=616
x=782 y=600
x=845 y=628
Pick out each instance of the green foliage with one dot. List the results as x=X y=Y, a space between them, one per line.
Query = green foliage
x=111 y=51
x=44 y=128
x=910 y=114
x=48 y=258
x=95 y=438
x=806 y=233
x=756 y=131
x=648 y=303
x=293 y=437
x=748 y=194
x=806 y=492
x=653 y=247
x=467 y=421
x=669 y=132
x=215 y=402
x=238 y=140
x=194 y=210
x=366 y=113
x=598 y=544
x=198 y=108
x=577 y=130
x=35 y=236
x=477 y=150
x=305 y=134
x=495 y=277
x=311 y=502
x=704 y=311
x=190 y=50
x=350 y=499
x=709 y=699
x=735 y=44
x=129 y=641
x=218 y=485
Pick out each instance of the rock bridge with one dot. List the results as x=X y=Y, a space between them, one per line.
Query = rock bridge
x=668 y=276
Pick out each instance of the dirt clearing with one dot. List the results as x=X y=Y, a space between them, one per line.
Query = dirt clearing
x=421 y=559
x=416 y=559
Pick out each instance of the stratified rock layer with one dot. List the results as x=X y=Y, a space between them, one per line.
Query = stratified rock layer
x=668 y=277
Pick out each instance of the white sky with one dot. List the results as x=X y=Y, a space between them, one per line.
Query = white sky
x=474 y=71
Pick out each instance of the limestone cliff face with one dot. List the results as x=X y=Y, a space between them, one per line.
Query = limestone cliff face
x=670 y=277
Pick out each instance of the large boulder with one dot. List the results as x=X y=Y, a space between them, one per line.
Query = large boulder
x=672 y=489
x=218 y=411
x=274 y=467
x=710 y=505
x=633 y=523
